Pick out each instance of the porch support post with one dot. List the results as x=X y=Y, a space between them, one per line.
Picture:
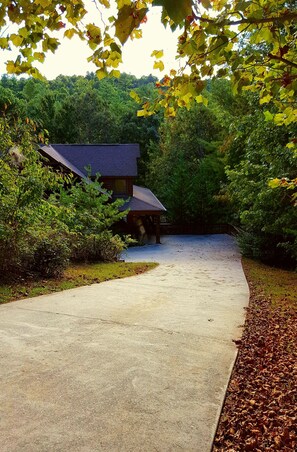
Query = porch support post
x=158 y=229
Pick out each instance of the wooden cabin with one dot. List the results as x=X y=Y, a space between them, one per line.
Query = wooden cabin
x=117 y=166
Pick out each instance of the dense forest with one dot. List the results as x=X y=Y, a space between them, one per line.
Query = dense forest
x=212 y=163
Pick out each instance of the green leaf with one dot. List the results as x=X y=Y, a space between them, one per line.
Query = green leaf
x=69 y=33
x=222 y=72
x=268 y=116
x=157 y=53
x=39 y=56
x=94 y=33
x=101 y=73
x=50 y=44
x=274 y=183
x=23 y=32
x=177 y=10
x=122 y=3
x=265 y=99
x=43 y=3
x=201 y=100
x=135 y=96
x=4 y=43
x=10 y=67
x=159 y=65
x=141 y=113
x=16 y=39
x=114 y=47
x=34 y=72
x=115 y=73
x=206 y=4
x=128 y=19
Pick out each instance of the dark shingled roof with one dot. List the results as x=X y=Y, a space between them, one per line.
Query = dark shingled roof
x=143 y=200
x=110 y=160
x=113 y=160
x=49 y=151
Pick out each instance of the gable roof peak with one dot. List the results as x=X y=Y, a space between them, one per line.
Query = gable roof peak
x=110 y=160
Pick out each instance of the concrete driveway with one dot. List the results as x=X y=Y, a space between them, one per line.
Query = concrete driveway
x=139 y=364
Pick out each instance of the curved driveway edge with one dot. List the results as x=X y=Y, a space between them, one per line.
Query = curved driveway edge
x=138 y=364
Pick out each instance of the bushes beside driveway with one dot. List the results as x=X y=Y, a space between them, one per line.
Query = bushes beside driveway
x=46 y=217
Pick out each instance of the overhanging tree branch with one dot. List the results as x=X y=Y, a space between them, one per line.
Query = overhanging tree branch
x=284 y=60
x=286 y=17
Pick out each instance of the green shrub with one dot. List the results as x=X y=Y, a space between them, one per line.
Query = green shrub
x=97 y=247
x=271 y=249
x=15 y=256
x=109 y=247
x=249 y=244
x=8 y=260
x=51 y=256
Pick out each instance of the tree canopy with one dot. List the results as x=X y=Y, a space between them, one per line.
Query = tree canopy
x=252 y=42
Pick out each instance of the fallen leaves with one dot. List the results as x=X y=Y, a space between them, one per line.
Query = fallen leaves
x=260 y=410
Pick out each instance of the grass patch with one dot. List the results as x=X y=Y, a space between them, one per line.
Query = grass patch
x=277 y=284
x=74 y=276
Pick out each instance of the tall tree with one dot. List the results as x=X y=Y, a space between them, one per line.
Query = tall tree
x=186 y=170
x=257 y=155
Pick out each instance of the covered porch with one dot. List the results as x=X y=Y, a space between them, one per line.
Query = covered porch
x=144 y=214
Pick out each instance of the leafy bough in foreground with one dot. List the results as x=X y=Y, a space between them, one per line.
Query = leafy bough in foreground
x=252 y=42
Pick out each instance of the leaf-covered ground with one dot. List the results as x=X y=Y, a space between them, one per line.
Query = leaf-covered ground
x=260 y=410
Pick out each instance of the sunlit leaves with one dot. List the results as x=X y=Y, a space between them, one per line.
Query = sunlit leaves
x=101 y=73
x=93 y=35
x=201 y=100
x=43 y=3
x=105 y=3
x=136 y=34
x=50 y=44
x=157 y=54
x=129 y=18
x=142 y=113
x=177 y=10
x=253 y=43
x=11 y=67
x=265 y=99
x=268 y=115
x=39 y=56
x=159 y=65
x=122 y=3
x=16 y=39
x=135 y=96
x=4 y=44
x=36 y=23
x=69 y=33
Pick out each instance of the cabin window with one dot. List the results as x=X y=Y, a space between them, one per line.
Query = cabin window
x=120 y=186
